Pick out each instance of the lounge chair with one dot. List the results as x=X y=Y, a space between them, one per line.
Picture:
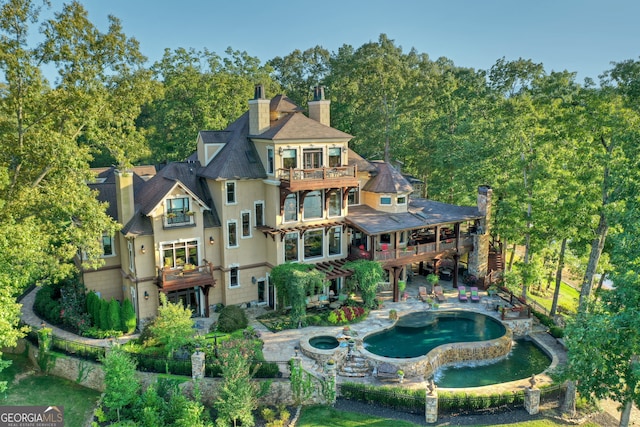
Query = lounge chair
x=422 y=293
x=437 y=290
x=474 y=294
x=462 y=293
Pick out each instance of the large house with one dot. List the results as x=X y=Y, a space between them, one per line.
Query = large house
x=275 y=186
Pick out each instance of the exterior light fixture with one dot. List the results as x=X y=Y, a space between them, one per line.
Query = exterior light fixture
x=211 y=240
x=280 y=151
x=143 y=250
x=146 y=295
x=345 y=149
x=254 y=280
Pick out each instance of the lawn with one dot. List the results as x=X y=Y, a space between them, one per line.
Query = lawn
x=32 y=388
x=324 y=416
x=568 y=297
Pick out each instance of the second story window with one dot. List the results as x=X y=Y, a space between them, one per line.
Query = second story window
x=232 y=234
x=107 y=245
x=402 y=200
x=259 y=213
x=313 y=243
x=231 y=192
x=291 y=207
x=335 y=203
x=385 y=201
x=313 y=205
x=353 y=197
x=246 y=223
x=312 y=158
x=178 y=211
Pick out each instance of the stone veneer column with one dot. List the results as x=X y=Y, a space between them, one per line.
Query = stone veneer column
x=532 y=400
x=431 y=403
x=479 y=257
x=197 y=365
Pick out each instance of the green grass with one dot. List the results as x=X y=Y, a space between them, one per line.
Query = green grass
x=568 y=298
x=43 y=390
x=324 y=416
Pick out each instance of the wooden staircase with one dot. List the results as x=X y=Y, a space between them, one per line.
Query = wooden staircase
x=496 y=261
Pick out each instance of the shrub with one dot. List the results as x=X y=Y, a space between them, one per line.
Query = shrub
x=104 y=315
x=114 y=315
x=127 y=317
x=556 y=331
x=92 y=301
x=232 y=318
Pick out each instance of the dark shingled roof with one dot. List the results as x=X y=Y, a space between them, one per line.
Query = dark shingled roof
x=299 y=126
x=215 y=136
x=388 y=180
x=238 y=159
x=363 y=165
x=422 y=213
x=107 y=188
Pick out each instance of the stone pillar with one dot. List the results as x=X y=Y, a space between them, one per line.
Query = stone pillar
x=479 y=257
x=532 y=400
x=197 y=365
x=431 y=403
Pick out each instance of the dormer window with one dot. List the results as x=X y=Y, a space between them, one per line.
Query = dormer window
x=385 y=201
x=402 y=200
x=178 y=212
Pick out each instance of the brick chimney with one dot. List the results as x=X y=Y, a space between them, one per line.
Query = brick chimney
x=258 y=112
x=319 y=108
x=124 y=196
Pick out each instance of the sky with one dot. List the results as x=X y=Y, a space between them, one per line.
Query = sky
x=582 y=36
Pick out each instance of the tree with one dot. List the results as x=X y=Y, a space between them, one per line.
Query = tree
x=173 y=327
x=367 y=275
x=199 y=91
x=115 y=323
x=293 y=282
x=127 y=317
x=238 y=395
x=121 y=384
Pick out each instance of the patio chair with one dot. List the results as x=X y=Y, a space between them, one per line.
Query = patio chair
x=462 y=293
x=437 y=290
x=422 y=293
x=474 y=294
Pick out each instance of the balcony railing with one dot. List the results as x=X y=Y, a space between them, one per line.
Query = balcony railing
x=313 y=179
x=465 y=242
x=185 y=277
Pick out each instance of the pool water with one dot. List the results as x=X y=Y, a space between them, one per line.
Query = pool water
x=525 y=359
x=324 y=342
x=418 y=333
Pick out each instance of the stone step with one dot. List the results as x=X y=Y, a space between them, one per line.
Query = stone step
x=352 y=374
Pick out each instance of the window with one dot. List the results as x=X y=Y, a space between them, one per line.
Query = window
x=234 y=277
x=312 y=158
x=313 y=244
x=402 y=237
x=107 y=245
x=291 y=207
x=291 y=247
x=335 y=240
x=313 y=205
x=402 y=200
x=231 y=192
x=335 y=203
x=289 y=159
x=259 y=213
x=246 y=223
x=232 y=233
x=385 y=201
x=270 y=160
x=178 y=211
x=354 y=196
x=335 y=157
x=132 y=266
x=385 y=238
x=177 y=254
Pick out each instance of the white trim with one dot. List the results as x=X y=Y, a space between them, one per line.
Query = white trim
x=242 y=236
x=226 y=231
x=237 y=268
x=306 y=233
x=235 y=193
x=255 y=219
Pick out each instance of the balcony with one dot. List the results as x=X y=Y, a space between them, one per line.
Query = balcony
x=413 y=253
x=173 y=279
x=317 y=179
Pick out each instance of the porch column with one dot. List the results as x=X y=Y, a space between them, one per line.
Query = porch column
x=456 y=258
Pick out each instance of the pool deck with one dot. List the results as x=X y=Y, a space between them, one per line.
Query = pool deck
x=281 y=346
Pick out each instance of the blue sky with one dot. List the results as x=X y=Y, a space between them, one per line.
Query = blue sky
x=582 y=36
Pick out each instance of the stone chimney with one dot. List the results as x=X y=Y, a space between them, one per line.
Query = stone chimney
x=124 y=196
x=258 y=112
x=319 y=108
x=479 y=257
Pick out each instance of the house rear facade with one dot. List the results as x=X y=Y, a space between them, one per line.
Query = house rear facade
x=277 y=185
